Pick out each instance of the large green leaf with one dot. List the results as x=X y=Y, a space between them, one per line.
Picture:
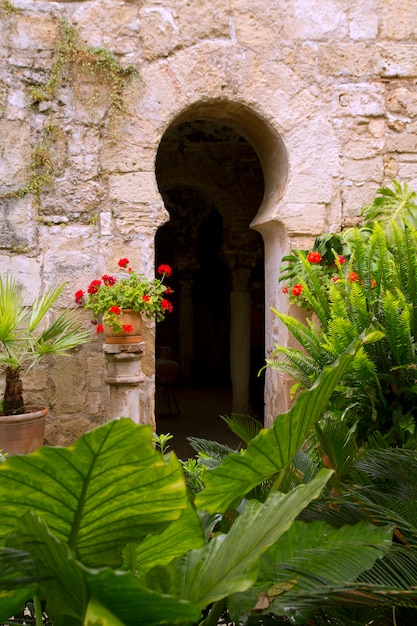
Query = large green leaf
x=182 y=535
x=75 y=594
x=61 y=580
x=229 y=563
x=271 y=450
x=309 y=557
x=108 y=489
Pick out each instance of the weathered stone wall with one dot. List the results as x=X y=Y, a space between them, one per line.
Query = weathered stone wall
x=333 y=81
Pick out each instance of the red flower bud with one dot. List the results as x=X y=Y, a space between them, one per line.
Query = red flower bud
x=314 y=257
x=297 y=290
x=165 y=269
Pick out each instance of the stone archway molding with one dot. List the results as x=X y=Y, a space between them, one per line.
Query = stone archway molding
x=272 y=155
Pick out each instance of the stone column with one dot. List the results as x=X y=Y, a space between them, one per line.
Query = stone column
x=240 y=339
x=124 y=376
x=186 y=329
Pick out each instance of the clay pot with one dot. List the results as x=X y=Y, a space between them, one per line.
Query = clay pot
x=21 y=434
x=131 y=317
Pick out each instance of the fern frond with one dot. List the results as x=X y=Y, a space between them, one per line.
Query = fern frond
x=397 y=328
x=297 y=364
x=308 y=335
x=405 y=254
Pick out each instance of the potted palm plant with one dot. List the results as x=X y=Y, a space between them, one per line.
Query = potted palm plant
x=26 y=335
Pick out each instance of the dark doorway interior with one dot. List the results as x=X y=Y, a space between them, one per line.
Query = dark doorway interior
x=212 y=184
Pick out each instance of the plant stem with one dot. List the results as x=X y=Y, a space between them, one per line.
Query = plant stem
x=38 y=610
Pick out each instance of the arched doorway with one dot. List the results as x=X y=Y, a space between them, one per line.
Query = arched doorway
x=213 y=185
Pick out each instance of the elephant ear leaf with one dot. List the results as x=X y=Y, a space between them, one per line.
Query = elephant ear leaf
x=272 y=449
x=110 y=488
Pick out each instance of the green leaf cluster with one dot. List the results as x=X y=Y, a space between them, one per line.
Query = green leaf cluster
x=103 y=531
x=26 y=332
x=378 y=287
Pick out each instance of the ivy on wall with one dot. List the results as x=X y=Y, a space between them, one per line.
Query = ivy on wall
x=71 y=57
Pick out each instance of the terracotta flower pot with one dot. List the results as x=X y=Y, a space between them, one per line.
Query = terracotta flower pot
x=132 y=318
x=21 y=434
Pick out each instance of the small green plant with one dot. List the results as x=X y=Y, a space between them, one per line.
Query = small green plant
x=161 y=441
x=26 y=337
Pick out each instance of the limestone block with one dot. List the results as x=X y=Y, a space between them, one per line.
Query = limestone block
x=403 y=100
x=305 y=217
x=300 y=57
x=363 y=147
x=77 y=199
x=313 y=20
x=18 y=228
x=3 y=96
x=391 y=166
x=396 y=59
x=114 y=25
x=363 y=22
x=355 y=196
x=160 y=32
x=404 y=142
x=126 y=156
x=16 y=103
x=201 y=20
x=33 y=31
x=360 y=99
x=65 y=430
x=397 y=19
x=134 y=187
x=345 y=59
x=27 y=270
x=252 y=27
x=361 y=170
x=406 y=171
x=15 y=148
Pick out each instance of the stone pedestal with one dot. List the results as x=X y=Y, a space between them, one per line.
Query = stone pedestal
x=124 y=376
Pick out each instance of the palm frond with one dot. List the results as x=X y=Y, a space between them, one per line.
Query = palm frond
x=397 y=204
x=210 y=453
x=244 y=426
x=338 y=444
x=42 y=305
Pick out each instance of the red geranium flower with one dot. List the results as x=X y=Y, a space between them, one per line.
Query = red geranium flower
x=115 y=309
x=297 y=290
x=335 y=278
x=341 y=259
x=99 y=328
x=165 y=269
x=108 y=280
x=127 y=328
x=79 y=296
x=353 y=277
x=314 y=257
x=123 y=262
x=168 y=291
x=145 y=297
x=165 y=304
x=373 y=282
x=93 y=286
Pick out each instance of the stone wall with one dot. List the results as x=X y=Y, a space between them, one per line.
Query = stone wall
x=325 y=91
